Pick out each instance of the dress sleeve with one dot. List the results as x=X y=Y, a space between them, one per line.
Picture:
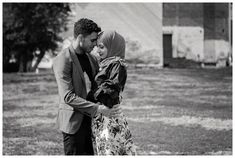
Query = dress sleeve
x=110 y=81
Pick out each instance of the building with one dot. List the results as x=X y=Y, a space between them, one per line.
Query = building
x=158 y=33
x=197 y=31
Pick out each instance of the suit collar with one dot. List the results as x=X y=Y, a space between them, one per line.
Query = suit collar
x=76 y=62
x=93 y=63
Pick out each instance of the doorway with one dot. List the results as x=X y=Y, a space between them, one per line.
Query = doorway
x=167 y=49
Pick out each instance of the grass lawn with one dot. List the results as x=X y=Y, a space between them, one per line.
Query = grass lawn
x=170 y=112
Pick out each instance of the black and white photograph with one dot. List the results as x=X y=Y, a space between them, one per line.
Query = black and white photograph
x=139 y=78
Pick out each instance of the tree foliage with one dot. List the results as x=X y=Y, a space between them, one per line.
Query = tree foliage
x=28 y=27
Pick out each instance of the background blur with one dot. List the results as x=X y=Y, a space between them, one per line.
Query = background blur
x=157 y=34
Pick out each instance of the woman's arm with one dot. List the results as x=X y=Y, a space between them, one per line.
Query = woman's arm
x=111 y=80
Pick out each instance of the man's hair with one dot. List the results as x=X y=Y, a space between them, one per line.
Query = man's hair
x=85 y=27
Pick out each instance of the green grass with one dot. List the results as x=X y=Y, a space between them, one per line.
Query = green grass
x=170 y=112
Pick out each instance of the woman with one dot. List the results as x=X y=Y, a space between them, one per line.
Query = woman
x=111 y=136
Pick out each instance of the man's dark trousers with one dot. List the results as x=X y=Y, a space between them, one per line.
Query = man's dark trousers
x=79 y=143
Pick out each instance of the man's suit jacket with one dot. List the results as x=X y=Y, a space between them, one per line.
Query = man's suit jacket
x=72 y=90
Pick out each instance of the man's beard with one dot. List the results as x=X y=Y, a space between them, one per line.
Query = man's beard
x=86 y=50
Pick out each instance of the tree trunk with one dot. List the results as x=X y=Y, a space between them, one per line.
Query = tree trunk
x=23 y=63
x=38 y=60
x=26 y=61
x=29 y=65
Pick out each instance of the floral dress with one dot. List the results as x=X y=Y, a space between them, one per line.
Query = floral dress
x=111 y=136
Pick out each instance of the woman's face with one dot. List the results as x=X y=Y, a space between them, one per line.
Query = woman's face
x=102 y=50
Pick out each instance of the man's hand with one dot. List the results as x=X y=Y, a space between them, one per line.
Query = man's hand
x=115 y=111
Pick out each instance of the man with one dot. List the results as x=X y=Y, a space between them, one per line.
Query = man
x=75 y=112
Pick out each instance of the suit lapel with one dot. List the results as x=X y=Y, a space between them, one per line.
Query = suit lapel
x=77 y=64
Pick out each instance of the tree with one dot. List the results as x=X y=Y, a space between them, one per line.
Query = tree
x=28 y=27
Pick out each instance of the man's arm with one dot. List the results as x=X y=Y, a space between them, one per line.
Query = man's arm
x=62 y=67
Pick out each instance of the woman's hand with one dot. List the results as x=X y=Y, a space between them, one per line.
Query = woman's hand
x=115 y=111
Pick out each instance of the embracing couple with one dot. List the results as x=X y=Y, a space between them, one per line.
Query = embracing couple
x=92 y=123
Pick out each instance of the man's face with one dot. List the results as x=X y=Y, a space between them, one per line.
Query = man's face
x=89 y=42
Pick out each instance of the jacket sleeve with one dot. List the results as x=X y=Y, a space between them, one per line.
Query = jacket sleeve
x=62 y=67
x=110 y=82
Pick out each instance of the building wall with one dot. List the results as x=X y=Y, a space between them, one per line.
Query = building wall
x=139 y=23
x=185 y=22
x=199 y=30
x=216 y=39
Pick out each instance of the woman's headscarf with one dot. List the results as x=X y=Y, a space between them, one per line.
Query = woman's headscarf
x=114 y=42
